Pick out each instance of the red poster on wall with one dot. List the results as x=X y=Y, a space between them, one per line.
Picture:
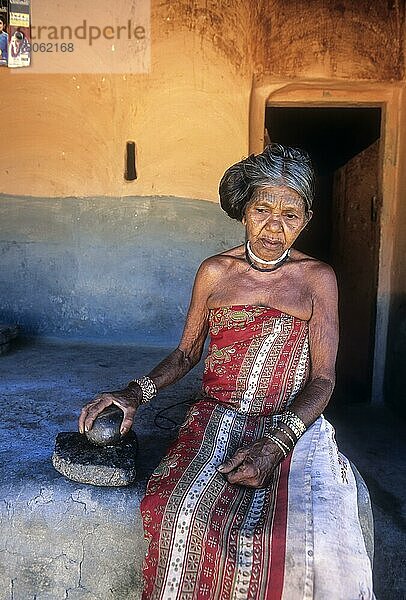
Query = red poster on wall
x=19 y=43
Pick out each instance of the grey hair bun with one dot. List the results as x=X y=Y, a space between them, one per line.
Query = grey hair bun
x=277 y=165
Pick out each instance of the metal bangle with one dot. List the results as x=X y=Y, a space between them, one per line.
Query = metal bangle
x=283 y=444
x=287 y=435
x=290 y=425
x=279 y=444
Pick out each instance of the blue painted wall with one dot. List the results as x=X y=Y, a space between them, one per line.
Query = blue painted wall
x=108 y=269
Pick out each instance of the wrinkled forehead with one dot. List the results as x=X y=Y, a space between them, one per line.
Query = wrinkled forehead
x=276 y=195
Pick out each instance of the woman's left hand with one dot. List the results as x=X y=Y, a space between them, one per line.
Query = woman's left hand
x=253 y=465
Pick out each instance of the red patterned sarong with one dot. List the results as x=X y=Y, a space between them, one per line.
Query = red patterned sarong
x=210 y=540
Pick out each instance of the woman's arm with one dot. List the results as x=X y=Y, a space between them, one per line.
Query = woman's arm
x=190 y=348
x=177 y=364
x=253 y=465
x=323 y=339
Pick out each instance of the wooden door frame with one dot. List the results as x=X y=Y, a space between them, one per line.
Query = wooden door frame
x=345 y=94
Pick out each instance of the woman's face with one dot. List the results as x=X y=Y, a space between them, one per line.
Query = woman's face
x=274 y=217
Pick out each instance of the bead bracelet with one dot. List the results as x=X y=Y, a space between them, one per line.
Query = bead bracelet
x=148 y=388
x=294 y=423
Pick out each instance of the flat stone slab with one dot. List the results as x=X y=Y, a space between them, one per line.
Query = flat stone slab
x=79 y=460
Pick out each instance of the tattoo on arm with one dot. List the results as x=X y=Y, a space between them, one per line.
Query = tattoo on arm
x=310 y=403
x=171 y=369
x=323 y=338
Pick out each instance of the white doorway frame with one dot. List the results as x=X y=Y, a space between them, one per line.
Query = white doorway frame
x=328 y=93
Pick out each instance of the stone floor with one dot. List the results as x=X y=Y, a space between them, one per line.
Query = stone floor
x=44 y=384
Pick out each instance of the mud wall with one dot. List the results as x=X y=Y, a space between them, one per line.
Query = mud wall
x=189 y=114
x=346 y=39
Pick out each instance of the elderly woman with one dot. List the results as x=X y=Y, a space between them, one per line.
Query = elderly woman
x=253 y=500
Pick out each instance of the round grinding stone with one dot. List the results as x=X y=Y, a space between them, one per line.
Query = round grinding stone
x=106 y=427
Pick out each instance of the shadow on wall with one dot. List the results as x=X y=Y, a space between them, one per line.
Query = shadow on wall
x=118 y=270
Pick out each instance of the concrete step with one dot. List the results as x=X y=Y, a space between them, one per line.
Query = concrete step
x=58 y=538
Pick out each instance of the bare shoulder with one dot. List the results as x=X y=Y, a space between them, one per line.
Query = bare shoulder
x=320 y=276
x=214 y=267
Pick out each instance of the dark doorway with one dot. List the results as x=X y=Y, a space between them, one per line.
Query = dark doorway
x=344 y=232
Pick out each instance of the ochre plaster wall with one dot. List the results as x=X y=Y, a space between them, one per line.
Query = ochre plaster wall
x=189 y=114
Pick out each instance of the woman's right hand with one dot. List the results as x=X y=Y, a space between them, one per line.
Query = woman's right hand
x=127 y=399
